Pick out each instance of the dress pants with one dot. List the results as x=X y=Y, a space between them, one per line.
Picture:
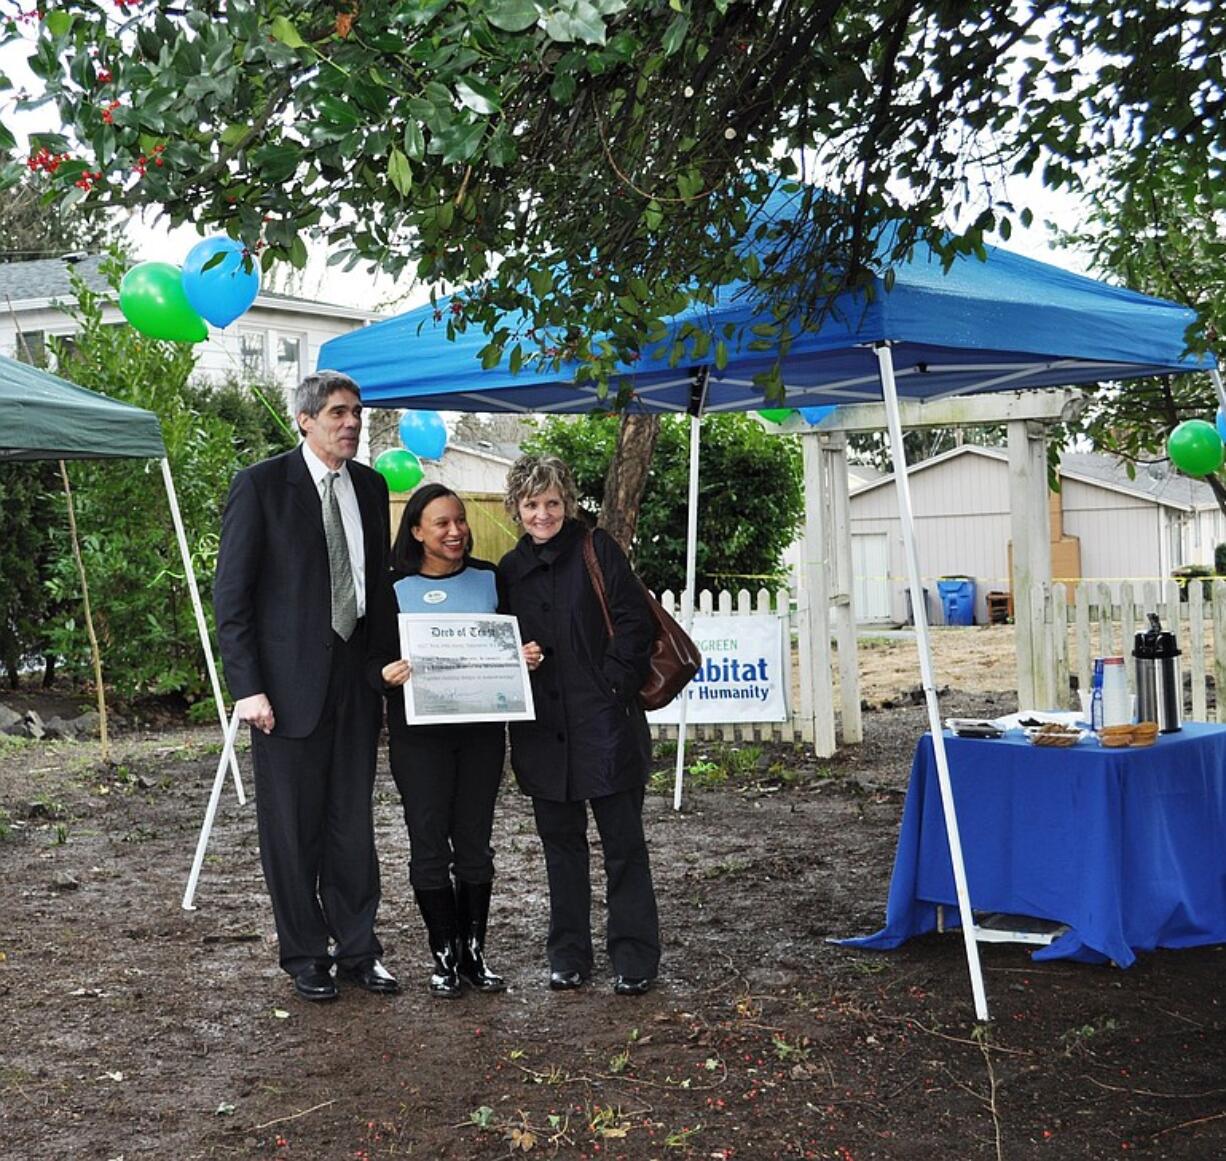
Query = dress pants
x=633 y=932
x=314 y=813
x=448 y=779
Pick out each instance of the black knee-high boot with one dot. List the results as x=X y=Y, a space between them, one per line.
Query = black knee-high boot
x=438 y=909
x=473 y=910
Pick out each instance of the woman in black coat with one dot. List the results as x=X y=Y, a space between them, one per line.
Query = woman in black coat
x=589 y=744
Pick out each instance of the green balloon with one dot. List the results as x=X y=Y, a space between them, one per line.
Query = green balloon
x=777 y=414
x=400 y=468
x=1195 y=447
x=151 y=298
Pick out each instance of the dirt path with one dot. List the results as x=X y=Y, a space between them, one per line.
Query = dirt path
x=131 y=1029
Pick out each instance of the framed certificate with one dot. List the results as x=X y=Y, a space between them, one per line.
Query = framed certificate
x=467 y=667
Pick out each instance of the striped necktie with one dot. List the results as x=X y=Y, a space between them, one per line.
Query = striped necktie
x=344 y=597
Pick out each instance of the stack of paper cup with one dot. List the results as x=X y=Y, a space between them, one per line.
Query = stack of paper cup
x=1117 y=707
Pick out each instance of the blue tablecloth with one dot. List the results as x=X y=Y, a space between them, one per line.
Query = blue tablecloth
x=1125 y=846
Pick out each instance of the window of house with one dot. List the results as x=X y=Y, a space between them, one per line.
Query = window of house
x=32 y=348
x=253 y=353
x=289 y=357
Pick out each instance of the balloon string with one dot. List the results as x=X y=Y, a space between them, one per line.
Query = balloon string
x=285 y=427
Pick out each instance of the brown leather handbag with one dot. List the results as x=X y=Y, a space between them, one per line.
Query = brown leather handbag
x=674 y=657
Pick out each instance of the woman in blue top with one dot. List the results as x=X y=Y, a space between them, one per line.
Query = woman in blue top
x=447 y=775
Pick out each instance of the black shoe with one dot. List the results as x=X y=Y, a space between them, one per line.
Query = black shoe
x=631 y=985
x=565 y=981
x=315 y=983
x=472 y=912
x=372 y=976
x=445 y=979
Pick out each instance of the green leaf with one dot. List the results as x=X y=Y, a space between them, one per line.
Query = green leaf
x=400 y=172
x=7 y=140
x=298 y=253
x=517 y=358
x=512 y=15
x=491 y=356
x=233 y=134
x=414 y=141
x=284 y=30
x=653 y=215
x=58 y=23
x=478 y=95
x=721 y=355
x=674 y=35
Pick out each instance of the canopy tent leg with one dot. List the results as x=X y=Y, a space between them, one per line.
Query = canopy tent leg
x=687 y=598
x=201 y=624
x=227 y=756
x=1216 y=376
x=889 y=390
x=95 y=652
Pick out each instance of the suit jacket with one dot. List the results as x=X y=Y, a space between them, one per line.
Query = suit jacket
x=272 y=592
x=590 y=736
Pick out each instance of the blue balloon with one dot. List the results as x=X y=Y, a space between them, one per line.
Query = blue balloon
x=424 y=434
x=1220 y=423
x=815 y=415
x=226 y=289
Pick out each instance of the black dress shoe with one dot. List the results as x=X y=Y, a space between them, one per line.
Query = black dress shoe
x=372 y=976
x=315 y=983
x=631 y=985
x=565 y=981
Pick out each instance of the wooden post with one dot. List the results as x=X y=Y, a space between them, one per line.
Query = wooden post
x=834 y=453
x=89 y=620
x=815 y=597
x=1031 y=538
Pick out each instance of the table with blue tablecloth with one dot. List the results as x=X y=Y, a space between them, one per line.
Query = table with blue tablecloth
x=1127 y=847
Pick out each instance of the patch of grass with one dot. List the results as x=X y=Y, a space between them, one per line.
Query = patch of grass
x=665 y=748
x=11 y=742
x=1080 y=1036
x=6 y=823
x=726 y=869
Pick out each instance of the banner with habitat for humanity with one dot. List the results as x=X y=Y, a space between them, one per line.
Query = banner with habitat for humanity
x=744 y=677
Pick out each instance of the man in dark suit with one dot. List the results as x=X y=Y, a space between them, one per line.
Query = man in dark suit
x=304 y=542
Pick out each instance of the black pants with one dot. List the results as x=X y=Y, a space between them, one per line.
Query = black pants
x=448 y=780
x=313 y=810
x=633 y=933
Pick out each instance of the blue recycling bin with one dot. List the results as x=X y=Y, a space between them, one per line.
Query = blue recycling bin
x=957 y=599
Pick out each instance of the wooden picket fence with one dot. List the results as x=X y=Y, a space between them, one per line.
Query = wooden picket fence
x=1088 y=620
x=799 y=725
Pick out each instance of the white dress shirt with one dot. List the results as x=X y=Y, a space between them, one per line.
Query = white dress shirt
x=351 y=518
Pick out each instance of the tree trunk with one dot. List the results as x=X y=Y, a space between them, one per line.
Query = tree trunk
x=627 y=476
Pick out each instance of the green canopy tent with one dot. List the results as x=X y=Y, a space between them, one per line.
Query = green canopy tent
x=44 y=417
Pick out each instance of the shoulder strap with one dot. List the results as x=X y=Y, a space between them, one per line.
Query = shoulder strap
x=597 y=579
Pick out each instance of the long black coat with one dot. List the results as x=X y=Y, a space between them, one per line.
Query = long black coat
x=272 y=593
x=590 y=736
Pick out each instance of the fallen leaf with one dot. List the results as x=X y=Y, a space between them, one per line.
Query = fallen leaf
x=116 y=1076
x=225 y=1109
x=280 y=1013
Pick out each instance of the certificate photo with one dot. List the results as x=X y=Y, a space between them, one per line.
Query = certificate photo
x=467 y=667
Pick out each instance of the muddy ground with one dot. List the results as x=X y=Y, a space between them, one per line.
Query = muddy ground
x=132 y=1029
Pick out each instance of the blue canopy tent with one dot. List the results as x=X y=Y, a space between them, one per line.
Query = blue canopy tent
x=1007 y=323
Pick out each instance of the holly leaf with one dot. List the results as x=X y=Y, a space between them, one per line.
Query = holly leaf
x=400 y=172
x=478 y=95
x=512 y=15
x=283 y=29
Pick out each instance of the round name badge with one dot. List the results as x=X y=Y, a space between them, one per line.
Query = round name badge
x=434 y=597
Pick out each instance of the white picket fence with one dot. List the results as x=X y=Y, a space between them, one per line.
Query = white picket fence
x=799 y=726
x=1088 y=620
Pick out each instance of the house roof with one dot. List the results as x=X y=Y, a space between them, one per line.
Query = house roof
x=42 y=282
x=1159 y=483
x=486 y=449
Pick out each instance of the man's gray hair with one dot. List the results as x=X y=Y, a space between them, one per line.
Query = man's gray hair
x=533 y=474
x=313 y=393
